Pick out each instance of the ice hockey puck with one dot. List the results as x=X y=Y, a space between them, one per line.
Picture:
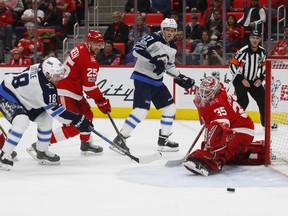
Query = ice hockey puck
x=231 y=189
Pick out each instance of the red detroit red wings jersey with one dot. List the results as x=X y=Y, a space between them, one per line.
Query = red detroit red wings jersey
x=222 y=108
x=81 y=71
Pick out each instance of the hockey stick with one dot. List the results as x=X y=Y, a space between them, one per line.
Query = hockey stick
x=140 y=160
x=115 y=127
x=173 y=163
x=3 y=131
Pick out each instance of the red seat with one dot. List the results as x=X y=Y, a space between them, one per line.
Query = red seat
x=239 y=5
x=128 y=19
x=120 y=47
x=237 y=14
x=153 y=19
x=188 y=17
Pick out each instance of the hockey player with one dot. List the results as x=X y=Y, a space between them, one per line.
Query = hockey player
x=32 y=95
x=155 y=54
x=229 y=132
x=81 y=71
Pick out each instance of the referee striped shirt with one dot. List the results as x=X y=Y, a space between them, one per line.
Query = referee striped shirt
x=250 y=64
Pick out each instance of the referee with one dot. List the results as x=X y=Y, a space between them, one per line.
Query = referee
x=248 y=67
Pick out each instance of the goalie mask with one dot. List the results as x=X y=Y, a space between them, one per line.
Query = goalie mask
x=209 y=87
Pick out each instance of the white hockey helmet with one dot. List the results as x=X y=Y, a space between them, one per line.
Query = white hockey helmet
x=170 y=23
x=208 y=88
x=53 y=66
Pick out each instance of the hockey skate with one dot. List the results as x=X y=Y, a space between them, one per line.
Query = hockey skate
x=88 y=147
x=6 y=161
x=196 y=166
x=119 y=145
x=166 y=145
x=44 y=158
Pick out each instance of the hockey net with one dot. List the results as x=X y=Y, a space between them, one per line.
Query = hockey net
x=276 y=140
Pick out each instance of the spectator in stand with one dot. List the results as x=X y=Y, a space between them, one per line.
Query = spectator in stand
x=109 y=55
x=199 y=5
x=232 y=34
x=43 y=5
x=6 y=30
x=17 y=8
x=28 y=20
x=215 y=25
x=66 y=7
x=26 y=45
x=192 y=6
x=208 y=14
x=17 y=59
x=214 y=55
x=129 y=59
x=253 y=18
x=143 y=7
x=229 y=4
x=281 y=48
x=117 y=31
x=76 y=15
x=174 y=15
x=178 y=40
x=161 y=6
x=202 y=48
x=53 y=17
x=193 y=31
x=142 y=29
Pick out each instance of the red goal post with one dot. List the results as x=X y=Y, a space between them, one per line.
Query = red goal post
x=276 y=111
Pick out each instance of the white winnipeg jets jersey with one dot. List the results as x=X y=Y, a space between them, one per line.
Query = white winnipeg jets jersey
x=150 y=45
x=33 y=91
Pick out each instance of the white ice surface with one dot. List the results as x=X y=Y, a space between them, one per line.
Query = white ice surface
x=111 y=184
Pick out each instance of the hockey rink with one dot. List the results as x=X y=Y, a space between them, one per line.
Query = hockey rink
x=111 y=184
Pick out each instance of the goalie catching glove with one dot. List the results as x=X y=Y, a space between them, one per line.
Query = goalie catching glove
x=159 y=61
x=184 y=82
x=82 y=123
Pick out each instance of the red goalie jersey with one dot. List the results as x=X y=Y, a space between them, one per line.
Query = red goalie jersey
x=223 y=108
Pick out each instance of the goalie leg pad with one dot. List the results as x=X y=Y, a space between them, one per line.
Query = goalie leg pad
x=253 y=154
x=211 y=160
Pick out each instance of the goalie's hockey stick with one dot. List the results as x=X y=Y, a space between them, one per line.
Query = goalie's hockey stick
x=140 y=160
x=173 y=163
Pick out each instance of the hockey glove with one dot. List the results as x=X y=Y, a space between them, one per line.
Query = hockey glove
x=159 y=61
x=82 y=123
x=104 y=105
x=184 y=81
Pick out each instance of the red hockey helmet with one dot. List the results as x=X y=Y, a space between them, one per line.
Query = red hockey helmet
x=94 y=36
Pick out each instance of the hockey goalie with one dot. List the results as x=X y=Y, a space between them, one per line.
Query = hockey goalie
x=229 y=132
